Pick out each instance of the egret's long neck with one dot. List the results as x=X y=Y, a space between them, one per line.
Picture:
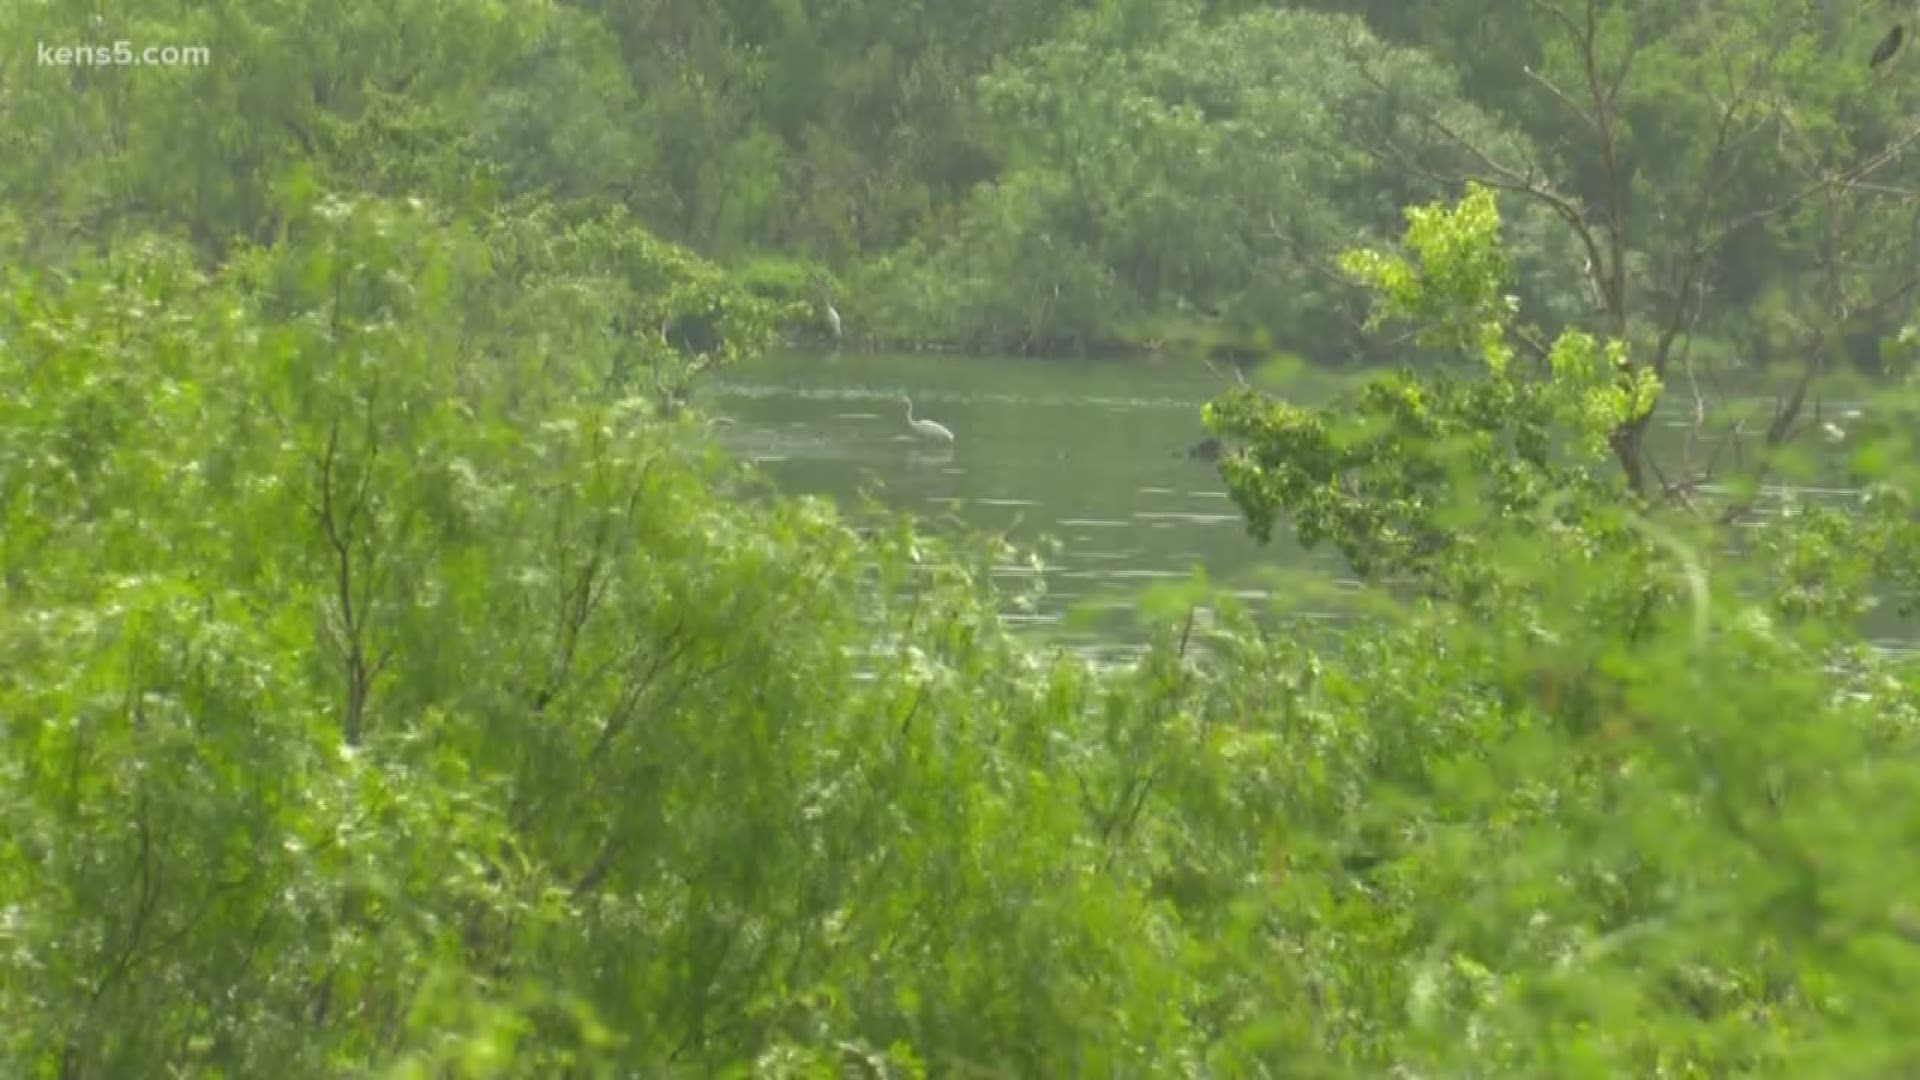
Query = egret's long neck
x=909 y=403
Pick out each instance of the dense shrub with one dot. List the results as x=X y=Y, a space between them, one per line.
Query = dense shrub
x=379 y=697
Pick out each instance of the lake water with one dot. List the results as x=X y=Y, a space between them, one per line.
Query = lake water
x=1089 y=454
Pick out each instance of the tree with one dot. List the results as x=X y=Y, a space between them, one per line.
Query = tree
x=1730 y=185
x=1177 y=176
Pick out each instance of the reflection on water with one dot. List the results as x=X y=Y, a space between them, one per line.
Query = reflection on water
x=1089 y=455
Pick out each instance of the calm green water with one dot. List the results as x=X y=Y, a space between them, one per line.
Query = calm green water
x=1087 y=454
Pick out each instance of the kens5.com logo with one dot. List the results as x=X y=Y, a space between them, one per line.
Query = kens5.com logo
x=122 y=54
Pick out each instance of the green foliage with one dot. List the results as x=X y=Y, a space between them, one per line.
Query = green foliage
x=1418 y=474
x=1179 y=176
x=377 y=98
x=424 y=669
x=1453 y=285
x=789 y=280
x=439 y=713
x=1627 y=822
x=1027 y=173
x=390 y=687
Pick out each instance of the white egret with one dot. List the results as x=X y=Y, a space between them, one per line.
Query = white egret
x=926 y=429
x=833 y=318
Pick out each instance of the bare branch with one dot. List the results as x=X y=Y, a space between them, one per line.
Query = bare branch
x=1843 y=178
x=1561 y=95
